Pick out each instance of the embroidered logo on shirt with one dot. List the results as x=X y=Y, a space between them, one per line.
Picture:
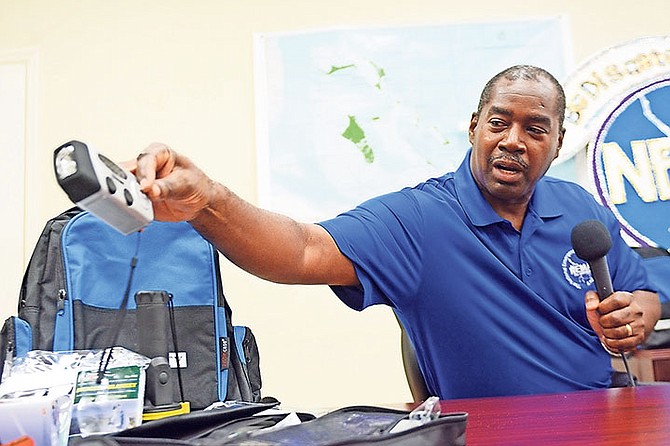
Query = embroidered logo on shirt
x=576 y=271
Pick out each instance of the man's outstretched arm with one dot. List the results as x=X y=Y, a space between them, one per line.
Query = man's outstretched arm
x=266 y=244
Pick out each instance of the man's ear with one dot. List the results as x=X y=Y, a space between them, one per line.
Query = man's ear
x=561 y=135
x=471 y=129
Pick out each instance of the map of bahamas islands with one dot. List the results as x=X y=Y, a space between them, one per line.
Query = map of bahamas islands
x=347 y=114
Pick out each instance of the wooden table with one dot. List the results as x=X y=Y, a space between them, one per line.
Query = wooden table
x=624 y=416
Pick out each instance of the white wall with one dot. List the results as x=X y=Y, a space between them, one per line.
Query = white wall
x=125 y=73
x=17 y=70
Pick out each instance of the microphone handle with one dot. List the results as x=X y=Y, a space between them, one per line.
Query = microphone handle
x=601 y=275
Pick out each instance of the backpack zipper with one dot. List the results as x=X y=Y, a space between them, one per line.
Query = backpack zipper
x=60 y=304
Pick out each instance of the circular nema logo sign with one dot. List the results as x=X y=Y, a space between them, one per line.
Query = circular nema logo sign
x=629 y=161
x=600 y=82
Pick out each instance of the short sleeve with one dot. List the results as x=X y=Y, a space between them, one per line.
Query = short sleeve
x=383 y=238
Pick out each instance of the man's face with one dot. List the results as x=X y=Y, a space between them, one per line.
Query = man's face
x=514 y=140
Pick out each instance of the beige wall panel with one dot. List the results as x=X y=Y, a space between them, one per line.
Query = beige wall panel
x=122 y=74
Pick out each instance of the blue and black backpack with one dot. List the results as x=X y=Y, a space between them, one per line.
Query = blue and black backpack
x=75 y=283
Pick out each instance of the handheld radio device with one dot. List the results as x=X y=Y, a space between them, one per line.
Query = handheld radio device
x=98 y=185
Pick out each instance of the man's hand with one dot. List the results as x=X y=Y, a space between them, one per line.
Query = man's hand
x=178 y=189
x=623 y=320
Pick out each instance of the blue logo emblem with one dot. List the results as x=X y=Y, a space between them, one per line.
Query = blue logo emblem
x=630 y=164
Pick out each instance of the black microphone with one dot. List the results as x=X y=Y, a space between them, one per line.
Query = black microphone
x=591 y=242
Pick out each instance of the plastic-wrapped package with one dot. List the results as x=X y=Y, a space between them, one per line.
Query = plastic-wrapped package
x=81 y=400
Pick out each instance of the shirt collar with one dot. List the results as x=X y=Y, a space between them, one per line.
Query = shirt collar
x=480 y=212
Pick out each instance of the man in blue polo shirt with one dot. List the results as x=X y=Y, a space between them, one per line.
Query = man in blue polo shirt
x=477 y=264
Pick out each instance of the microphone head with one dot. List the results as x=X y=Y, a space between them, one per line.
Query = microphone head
x=590 y=240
